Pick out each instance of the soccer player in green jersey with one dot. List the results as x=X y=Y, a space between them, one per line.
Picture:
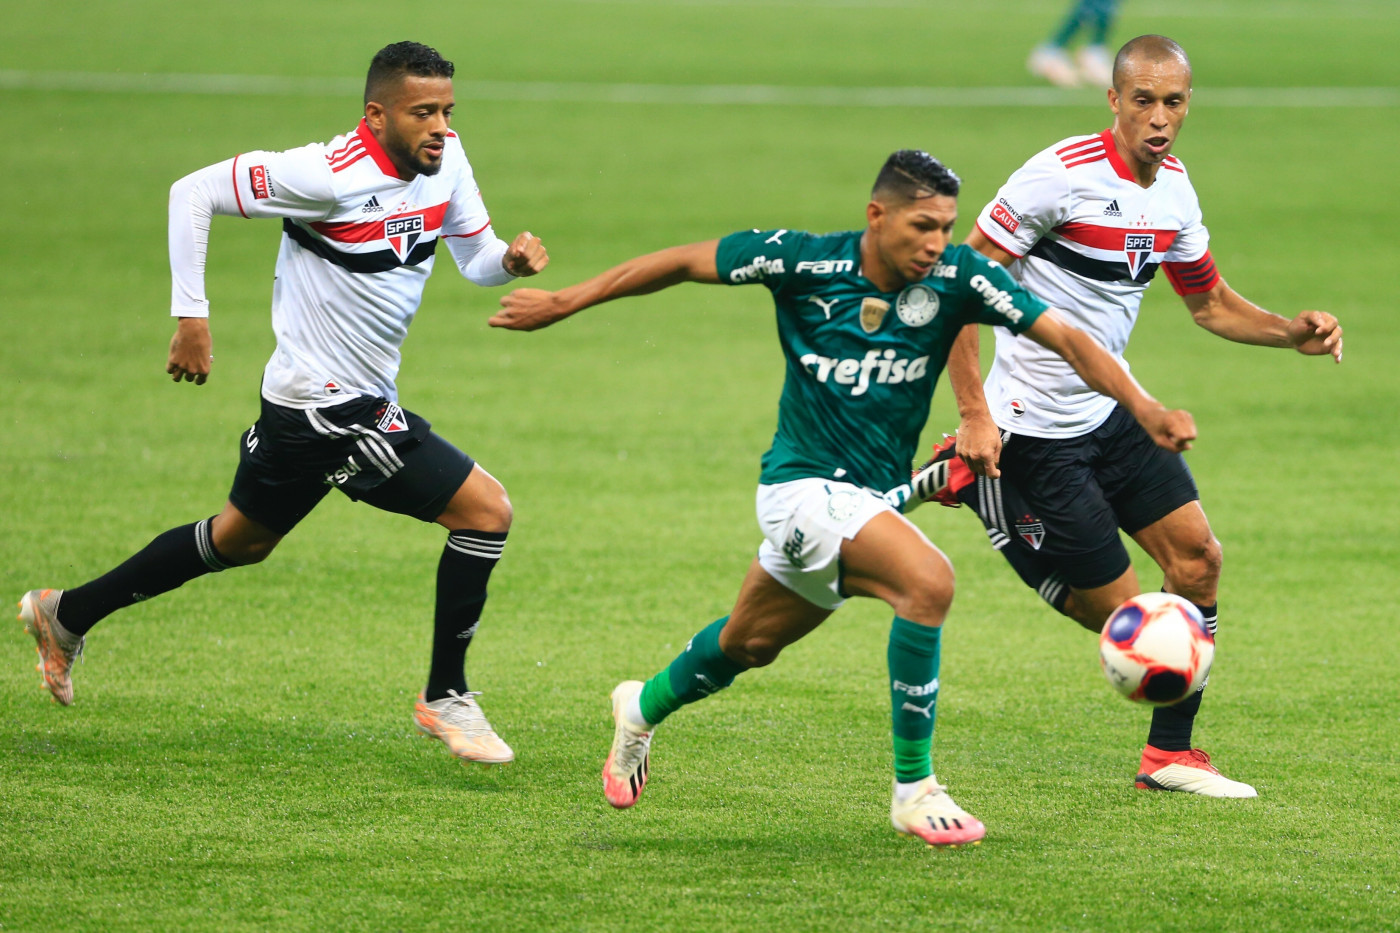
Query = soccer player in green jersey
x=866 y=319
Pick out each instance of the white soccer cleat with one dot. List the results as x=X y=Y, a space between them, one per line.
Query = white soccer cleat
x=57 y=647
x=458 y=722
x=625 y=771
x=1053 y=64
x=931 y=814
x=1095 y=66
x=1190 y=772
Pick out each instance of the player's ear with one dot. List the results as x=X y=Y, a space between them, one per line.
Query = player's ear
x=374 y=114
x=874 y=213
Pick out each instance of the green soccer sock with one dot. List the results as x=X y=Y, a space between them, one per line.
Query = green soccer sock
x=698 y=671
x=913 y=661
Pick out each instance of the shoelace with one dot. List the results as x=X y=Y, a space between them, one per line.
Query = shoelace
x=634 y=747
x=465 y=714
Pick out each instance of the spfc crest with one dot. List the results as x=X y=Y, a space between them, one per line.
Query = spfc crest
x=917 y=305
x=402 y=234
x=872 y=314
x=1031 y=530
x=1138 y=247
x=391 y=419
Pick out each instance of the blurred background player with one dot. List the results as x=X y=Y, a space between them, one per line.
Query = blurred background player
x=1091 y=64
x=1084 y=225
x=865 y=319
x=361 y=219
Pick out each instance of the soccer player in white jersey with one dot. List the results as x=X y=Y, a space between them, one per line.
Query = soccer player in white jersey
x=361 y=219
x=1084 y=225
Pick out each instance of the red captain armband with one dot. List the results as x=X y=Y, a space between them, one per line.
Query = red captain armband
x=1189 y=278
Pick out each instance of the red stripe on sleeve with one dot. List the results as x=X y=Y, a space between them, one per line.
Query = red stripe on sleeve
x=474 y=232
x=995 y=241
x=1190 y=278
x=237 y=199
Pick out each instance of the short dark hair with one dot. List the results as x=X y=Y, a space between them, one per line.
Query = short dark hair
x=1152 y=48
x=912 y=174
x=404 y=58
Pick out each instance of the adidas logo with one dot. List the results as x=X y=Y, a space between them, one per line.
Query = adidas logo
x=1110 y=211
x=372 y=205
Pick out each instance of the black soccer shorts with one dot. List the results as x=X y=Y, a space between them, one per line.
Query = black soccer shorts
x=1055 y=511
x=369 y=448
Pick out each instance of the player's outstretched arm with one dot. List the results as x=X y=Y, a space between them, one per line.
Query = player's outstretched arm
x=1226 y=313
x=533 y=308
x=1171 y=429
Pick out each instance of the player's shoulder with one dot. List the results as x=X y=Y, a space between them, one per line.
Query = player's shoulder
x=1175 y=166
x=960 y=264
x=453 y=151
x=1074 y=152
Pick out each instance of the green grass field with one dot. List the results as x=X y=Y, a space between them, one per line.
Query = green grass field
x=241 y=755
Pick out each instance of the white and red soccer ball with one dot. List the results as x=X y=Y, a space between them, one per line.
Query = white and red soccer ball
x=1156 y=649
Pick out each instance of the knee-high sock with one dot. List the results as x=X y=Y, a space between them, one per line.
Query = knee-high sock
x=466 y=564
x=1171 y=725
x=698 y=671
x=172 y=559
x=913 y=660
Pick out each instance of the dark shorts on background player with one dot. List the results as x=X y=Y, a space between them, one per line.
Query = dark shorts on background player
x=371 y=449
x=1056 y=509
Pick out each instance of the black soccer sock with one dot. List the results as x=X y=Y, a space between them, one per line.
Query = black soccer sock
x=466 y=565
x=173 y=558
x=1171 y=725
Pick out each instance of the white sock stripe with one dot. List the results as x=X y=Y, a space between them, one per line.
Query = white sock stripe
x=475 y=539
x=204 y=544
x=477 y=544
x=473 y=552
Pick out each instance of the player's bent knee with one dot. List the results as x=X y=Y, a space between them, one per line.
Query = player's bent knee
x=927 y=598
x=1196 y=572
x=254 y=552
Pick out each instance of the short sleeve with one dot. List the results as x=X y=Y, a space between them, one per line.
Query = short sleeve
x=295 y=183
x=466 y=211
x=1187 y=261
x=1034 y=200
x=766 y=256
x=992 y=296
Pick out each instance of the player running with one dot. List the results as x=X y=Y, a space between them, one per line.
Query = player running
x=1084 y=225
x=865 y=319
x=361 y=219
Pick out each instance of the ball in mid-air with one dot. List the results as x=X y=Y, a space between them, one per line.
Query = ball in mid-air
x=1156 y=649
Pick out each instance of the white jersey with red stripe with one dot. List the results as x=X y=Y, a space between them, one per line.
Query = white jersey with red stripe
x=357 y=248
x=1088 y=240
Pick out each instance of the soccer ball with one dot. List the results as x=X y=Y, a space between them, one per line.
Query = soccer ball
x=1156 y=649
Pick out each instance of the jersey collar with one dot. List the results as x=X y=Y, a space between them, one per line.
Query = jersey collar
x=376 y=151
x=1114 y=158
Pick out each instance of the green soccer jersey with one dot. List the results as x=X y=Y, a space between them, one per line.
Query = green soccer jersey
x=862 y=363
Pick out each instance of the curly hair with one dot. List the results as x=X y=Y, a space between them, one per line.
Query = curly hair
x=404 y=58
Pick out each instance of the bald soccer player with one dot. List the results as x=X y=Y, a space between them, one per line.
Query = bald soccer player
x=1084 y=225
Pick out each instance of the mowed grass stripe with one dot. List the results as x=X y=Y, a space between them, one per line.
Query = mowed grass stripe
x=767 y=95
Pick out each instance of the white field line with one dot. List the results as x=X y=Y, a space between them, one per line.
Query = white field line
x=1181 y=9
x=770 y=95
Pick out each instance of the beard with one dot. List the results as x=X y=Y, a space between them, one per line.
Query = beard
x=399 y=152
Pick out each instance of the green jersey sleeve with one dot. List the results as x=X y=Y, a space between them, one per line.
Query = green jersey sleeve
x=992 y=296
x=767 y=256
